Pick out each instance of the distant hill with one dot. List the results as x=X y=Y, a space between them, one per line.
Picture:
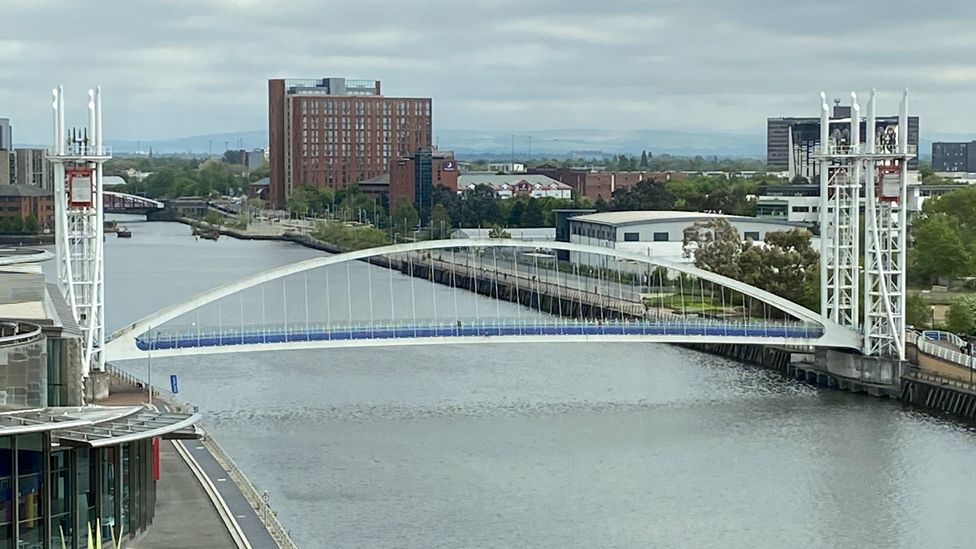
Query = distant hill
x=588 y=142
x=498 y=144
x=197 y=144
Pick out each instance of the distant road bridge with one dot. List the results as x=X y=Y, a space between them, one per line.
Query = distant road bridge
x=122 y=203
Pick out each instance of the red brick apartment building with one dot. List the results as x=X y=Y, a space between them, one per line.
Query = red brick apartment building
x=595 y=184
x=22 y=201
x=333 y=132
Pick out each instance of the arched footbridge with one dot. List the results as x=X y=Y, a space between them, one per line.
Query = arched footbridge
x=424 y=295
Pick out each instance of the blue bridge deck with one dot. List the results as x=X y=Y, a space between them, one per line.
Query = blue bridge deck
x=180 y=339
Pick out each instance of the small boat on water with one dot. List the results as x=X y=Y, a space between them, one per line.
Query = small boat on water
x=123 y=232
x=209 y=235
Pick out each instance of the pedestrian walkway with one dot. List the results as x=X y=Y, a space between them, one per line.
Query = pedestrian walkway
x=198 y=505
x=185 y=516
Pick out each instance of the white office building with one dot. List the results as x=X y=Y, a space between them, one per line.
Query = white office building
x=657 y=234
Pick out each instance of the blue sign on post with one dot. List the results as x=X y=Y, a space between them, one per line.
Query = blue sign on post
x=173 y=387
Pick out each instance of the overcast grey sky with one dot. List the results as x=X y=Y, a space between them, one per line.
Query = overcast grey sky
x=173 y=68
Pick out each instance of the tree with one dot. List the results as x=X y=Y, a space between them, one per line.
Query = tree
x=450 y=200
x=645 y=195
x=941 y=249
x=515 y=214
x=783 y=265
x=405 y=217
x=917 y=311
x=30 y=224
x=440 y=221
x=643 y=160
x=497 y=231
x=532 y=216
x=715 y=245
x=11 y=225
x=213 y=219
x=961 y=317
x=479 y=207
x=601 y=205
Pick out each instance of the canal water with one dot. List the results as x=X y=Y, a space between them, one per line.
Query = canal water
x=553 y=446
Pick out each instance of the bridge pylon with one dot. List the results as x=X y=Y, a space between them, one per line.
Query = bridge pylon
x=77 y=157
x=878 y=168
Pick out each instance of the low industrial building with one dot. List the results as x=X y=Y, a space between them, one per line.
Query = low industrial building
x=659 y=234
x=800 y=203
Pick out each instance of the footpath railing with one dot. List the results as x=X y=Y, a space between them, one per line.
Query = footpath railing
x=181 y=338
x=258 y=500
x=925 y=344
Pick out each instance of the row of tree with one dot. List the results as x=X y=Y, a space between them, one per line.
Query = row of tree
x=785 y=264
x=173 y=177
x=732 y=196
x=944 y=239
x=19 y=225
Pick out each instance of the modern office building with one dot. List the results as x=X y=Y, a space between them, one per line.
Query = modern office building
x=7 y=169
x=332 y=132
x=32 y=168
x=6 y=135
x=414 y=178
x=790 y=142
x=954 y=157
x=792 y=203
x=655 y=233
x=64 y=470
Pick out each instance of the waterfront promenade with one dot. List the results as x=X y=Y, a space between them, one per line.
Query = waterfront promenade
x=199 y=503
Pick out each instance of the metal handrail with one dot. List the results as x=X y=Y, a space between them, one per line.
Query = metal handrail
x=472 y=327
x=926 y=346
x=21 y=337
x=257 y=499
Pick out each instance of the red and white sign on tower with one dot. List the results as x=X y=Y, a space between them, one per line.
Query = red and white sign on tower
x=80 y=186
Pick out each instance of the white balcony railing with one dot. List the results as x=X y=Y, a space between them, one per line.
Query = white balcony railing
x=853 y=150
x=81 y=151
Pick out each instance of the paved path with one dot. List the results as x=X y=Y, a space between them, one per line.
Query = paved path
x=245 y=515
x=185 y=517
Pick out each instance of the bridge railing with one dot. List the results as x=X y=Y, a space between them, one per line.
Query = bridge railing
x=926 y=345
x=470 y=327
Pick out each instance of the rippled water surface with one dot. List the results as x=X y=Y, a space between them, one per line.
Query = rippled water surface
x=557 y=446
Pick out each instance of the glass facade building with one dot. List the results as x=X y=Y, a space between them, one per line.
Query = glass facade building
x=63 y=470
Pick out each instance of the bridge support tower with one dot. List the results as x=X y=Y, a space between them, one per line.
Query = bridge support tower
x=878 y=167
x=77 y=157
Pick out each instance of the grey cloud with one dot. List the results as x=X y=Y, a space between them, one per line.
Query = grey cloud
x=181 y=67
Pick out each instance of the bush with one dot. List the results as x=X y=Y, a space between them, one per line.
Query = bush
x=351 y=238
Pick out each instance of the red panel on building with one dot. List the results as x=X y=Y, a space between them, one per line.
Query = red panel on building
x=155 y=462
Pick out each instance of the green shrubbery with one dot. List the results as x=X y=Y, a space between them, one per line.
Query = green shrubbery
x=355 y=237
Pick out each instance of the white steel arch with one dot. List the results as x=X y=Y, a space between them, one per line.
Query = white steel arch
x=122 y=342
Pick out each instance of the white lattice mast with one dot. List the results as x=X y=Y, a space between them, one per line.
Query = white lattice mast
x=77 y=157
x=840 y=188
x=886 y=225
